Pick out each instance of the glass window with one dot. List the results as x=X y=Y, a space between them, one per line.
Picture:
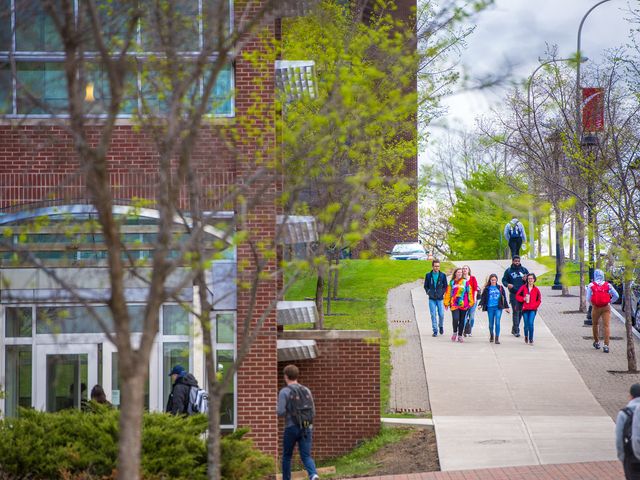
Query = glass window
x=76 y=319
x=177 y=27
x=42 y=87
x=17 y=378
x=174 y=353
x=222 y=93
x=225 y=323
x=175 y=320
x=225 y=361
x=5 y=25
x=18 y=322
x=6 y=86
x=98 y=91
x=67 y=378
x=115 y=384
x=35 y=30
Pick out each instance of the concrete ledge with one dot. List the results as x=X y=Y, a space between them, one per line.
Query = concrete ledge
x=407 y=422
x=328 y=334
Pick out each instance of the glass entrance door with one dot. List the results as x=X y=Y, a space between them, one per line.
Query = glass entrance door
x=65 y=375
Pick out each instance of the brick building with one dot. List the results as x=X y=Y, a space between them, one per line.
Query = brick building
x=51 y=351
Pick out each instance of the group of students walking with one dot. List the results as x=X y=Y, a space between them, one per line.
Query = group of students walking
x=462 y=295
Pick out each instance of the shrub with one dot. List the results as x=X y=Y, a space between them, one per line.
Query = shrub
x=84 y=446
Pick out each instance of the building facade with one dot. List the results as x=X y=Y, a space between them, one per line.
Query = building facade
x=52 y=350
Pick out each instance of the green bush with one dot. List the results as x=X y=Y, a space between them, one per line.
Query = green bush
x=76 y=445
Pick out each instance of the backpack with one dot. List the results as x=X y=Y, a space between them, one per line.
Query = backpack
x=514 y=230
x=600 y=296
x=198 y=401
x=300 y=406
x=626 y=436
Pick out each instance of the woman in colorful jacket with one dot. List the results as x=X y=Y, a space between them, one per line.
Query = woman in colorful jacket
x=473 y=285
x=530 y=297
x=493 y=300
x=459 y=298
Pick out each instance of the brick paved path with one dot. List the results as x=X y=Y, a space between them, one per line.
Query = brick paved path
x=610 y=390
x=567 y=471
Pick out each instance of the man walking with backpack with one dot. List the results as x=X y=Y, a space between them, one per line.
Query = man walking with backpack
x=600 y=294
x=295 y=403
x=628 y=435
x=435 y=284
x=515 y=235
x=178 y=402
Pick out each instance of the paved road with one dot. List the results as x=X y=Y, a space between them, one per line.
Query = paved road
x=509 y=404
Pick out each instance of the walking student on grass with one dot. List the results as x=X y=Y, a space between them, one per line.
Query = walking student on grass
x=493 y=300
x=531 y=298
x=458 y=297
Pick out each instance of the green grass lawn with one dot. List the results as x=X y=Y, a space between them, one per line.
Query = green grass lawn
x=364 y=285
x=570 y=276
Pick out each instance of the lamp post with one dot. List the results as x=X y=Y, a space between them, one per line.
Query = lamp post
x=529 y=108
x=591 y=247
x=555 y=139
x=589 y=144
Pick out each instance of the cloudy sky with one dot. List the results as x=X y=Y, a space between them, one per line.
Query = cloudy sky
x=516 y=32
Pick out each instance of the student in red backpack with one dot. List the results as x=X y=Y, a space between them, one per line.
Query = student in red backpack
x=530 y=297
x=600 y=294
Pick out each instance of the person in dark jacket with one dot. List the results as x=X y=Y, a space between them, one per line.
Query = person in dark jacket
x=513 y=278
x=179 y=397
x=493 y=300
x=435 y=284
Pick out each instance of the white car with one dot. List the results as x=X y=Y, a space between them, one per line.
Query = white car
x=408 y=251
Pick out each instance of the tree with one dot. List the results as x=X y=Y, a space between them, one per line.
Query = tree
x=362 y=123
x=479 y=215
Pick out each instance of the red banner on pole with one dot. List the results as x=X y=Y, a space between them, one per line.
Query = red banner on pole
x=593 y=109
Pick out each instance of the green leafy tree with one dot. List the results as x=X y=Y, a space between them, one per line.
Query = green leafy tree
x=479 y=215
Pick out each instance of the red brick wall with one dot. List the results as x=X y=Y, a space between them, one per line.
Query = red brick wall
x=257 y=378
x=38 y=162
x=345 y=382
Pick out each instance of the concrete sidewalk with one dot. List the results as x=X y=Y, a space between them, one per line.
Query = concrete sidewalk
x=509 y=404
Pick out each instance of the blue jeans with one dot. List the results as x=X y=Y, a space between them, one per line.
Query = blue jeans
x=303 y=438
x=436 y=310
x=528 y=316
x=471 y=316
x=494 y=318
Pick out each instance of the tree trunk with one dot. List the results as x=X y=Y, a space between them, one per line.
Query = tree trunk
x=335 y=278
x=131 y=411
x=540 y=237
x=550 y=239
x=559 y=226
x=571 y=238
x=628 y=323
x=319 y=298
x=329 y=284
x=580 y=231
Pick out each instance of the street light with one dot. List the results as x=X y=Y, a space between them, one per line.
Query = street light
x=589 y=144
x=555 y=139
x=591 y=247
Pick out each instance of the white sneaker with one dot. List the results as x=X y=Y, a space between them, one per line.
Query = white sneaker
x=315 y=477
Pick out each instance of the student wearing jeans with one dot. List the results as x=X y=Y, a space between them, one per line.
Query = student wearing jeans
x=600 y=295
x=531 y=298
x=471 y=313
x=458 y=297
x=435 y=284
x=493 y=300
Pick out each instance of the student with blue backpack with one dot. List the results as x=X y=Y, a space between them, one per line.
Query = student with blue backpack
x=295 y=404
x=515 y=236
x=628 y=435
